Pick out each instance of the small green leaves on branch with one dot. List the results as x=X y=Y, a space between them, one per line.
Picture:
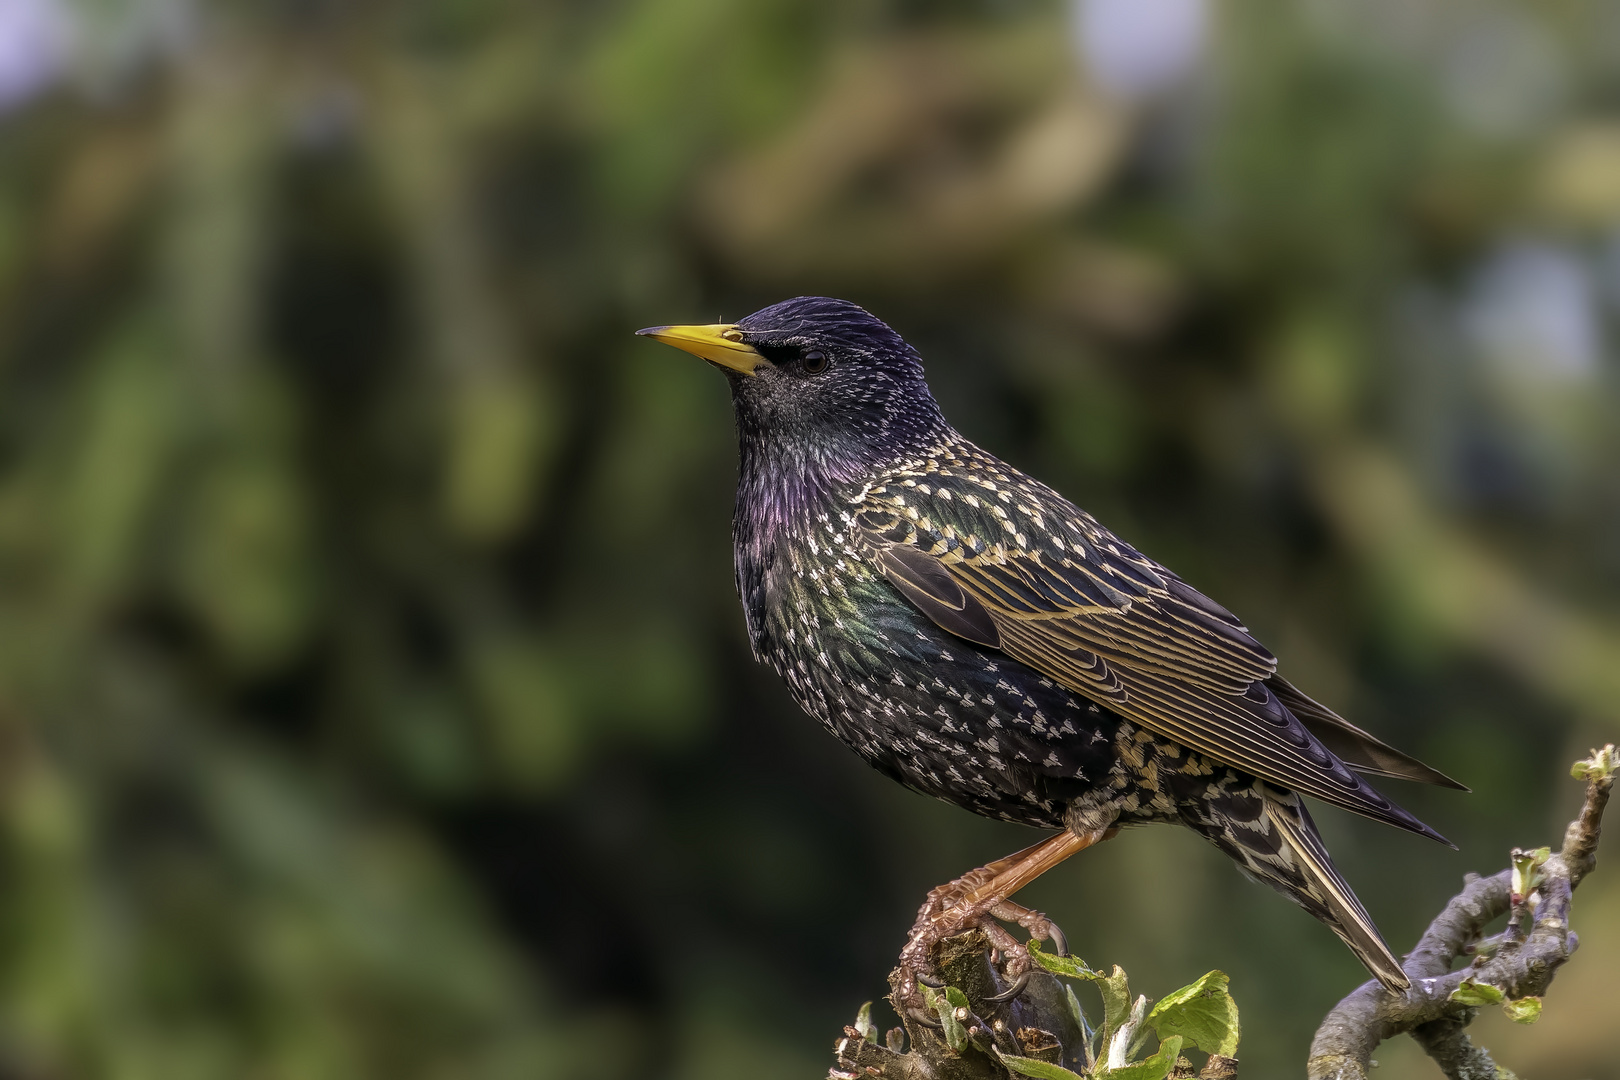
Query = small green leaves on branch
x=1477 y=993
x=1204 y=1014
x=1201 y=1015
x=1070 y=967
x=1157 y=1067
x=960 y=1032
x=951 y=1006
x=1602 y=765
x=864 y=1025
x=1512 y=969
x=1527 y=871
x=1525 y=1010
x=1040 y=1070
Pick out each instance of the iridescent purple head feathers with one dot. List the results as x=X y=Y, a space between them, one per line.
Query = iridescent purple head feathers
x=843 y=394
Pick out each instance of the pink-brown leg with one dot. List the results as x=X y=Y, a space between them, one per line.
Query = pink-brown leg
x=979 y=897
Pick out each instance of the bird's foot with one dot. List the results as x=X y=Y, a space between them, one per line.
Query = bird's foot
x=978 y=900
x=953 y=909
x=1020 y=964
x=1039 y=926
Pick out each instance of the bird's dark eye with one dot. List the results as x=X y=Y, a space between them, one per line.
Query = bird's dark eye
x=815 y=362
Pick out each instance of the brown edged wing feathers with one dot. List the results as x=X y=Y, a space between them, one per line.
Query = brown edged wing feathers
x=1002 y=560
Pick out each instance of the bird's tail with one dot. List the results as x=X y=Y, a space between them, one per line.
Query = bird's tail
x=1276 y=842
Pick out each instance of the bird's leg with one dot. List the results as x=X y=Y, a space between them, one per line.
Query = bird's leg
x=979 y=897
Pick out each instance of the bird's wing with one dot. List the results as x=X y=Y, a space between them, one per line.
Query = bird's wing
x=1361 y=750
x=1002 y=560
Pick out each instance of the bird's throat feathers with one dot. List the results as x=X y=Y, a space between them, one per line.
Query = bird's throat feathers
x=837 y=398
x=790 y=473
x=793 y=477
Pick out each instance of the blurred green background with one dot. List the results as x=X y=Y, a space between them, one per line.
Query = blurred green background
x=374 y=701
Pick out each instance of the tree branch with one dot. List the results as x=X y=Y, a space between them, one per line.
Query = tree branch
x=1041 y=1032
x=1041 y=1028
x=1513 y=966
x=1038 y=1023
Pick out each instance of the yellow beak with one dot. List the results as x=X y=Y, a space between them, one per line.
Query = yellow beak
x=719 y=343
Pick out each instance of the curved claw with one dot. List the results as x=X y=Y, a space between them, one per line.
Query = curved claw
x=1060 y=943
x=925 y=1020
x=929 y=981
x=1012 y=991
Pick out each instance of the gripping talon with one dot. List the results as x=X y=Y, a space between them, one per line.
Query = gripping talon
x=1012 y=991
x=1060 y=944
x=925 y=1020
x=929 y=981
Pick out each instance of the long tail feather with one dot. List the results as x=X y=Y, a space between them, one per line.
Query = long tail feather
x=1271 y=836
x=1333 y=901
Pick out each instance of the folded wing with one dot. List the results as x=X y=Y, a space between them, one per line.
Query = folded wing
x=1006 y=562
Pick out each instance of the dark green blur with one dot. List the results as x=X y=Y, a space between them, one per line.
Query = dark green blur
x=374 y=701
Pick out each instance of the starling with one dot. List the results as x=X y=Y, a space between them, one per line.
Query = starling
x=976 y=636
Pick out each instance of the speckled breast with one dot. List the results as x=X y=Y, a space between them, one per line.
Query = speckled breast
x=938 y=713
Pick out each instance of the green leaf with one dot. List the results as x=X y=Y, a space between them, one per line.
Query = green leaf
x=1076 y=1011
x=1600 y=766
x=1156 y=1067
x=942 y=1005
x=1071 y=967
x=1204 y=1014
x=1041 y=1070
x=1116 y=995
x=1525 y=1010
x=1476 y=993
x=1527 y=869
x=1115 y=991
x=864 y=1025
x=1087 y=1032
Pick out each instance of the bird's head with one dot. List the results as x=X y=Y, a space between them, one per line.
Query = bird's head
x=818 y=382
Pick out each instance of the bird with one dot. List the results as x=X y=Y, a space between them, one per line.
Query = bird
x=971 y=633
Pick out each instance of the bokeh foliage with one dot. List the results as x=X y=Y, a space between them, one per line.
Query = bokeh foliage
x=372 y=694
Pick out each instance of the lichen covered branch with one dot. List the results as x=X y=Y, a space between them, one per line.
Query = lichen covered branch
x=1513 y=969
